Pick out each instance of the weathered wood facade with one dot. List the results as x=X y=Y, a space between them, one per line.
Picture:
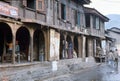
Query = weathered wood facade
x=49 y=30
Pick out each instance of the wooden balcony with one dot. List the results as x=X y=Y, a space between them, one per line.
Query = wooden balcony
x=95 y=32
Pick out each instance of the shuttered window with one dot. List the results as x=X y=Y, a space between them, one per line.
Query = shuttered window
x=31 y=4
x=34 y=4
x=94 y=21
x=40 y=5
x=58 y=9
x=63 y=11
x=77 y=18
x=87 y=19
x=97 y=23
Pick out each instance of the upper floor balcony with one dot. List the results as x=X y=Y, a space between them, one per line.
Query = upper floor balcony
x=61 y=14
x=95 y=22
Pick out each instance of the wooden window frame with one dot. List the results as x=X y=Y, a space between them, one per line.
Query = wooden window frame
x=94 y=21
x=43 y=7
x=63 y=16
x=25 y=4
x=97 y=23
x=87 y=20
x=77 y=18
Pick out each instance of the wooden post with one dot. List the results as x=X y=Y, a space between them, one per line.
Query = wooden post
x=79 y=47
x=13 y=51
x=72 y=40
x=47 y=57
x=65 y=52
x=83 y=46
x=47 y=44
x=31 y=49
x=30 y=54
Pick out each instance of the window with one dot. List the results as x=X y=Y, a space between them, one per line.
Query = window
x=77 y=18
x=101 y=24
x=58 y=9
x=63 y=12
x=94 y=21
x=87 y=20
x=97 y=23
x=34 y=4
x=40 y=5
x=31 y=4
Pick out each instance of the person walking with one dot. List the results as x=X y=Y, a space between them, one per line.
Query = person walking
x=110 y=58
x=116 y=59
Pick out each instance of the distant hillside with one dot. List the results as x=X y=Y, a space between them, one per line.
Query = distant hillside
x=113 y=22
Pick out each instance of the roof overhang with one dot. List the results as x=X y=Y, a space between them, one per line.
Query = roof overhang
x=83 y=1
x=95 y=12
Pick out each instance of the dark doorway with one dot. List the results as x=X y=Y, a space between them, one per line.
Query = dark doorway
x=69 y=47
x=5 y=38
x=23 y=38
x=76 y=46
x=62 y=47
x=39 y=46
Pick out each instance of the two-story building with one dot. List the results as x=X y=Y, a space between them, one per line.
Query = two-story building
x=113 y=41
x=48 y=30
x=96 y=29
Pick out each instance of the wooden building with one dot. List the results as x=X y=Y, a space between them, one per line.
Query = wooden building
x=48 y=30
x=113 y=38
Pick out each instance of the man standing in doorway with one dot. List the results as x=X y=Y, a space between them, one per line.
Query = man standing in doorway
x=17 y=51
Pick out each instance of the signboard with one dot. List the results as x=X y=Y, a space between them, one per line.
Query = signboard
x=7 y=10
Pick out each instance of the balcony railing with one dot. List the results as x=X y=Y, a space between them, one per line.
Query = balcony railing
x=95 y=32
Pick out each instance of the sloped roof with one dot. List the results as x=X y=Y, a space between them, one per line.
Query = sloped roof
x=114 y=29
x=95 y=12
x=82 y=1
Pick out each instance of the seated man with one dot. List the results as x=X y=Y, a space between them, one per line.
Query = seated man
x=10 y=47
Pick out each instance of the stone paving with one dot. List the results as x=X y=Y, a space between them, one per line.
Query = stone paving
x=109 y=73
x=42 y=71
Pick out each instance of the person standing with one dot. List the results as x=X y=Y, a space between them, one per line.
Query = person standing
x=63 y=49
x=116 y=59
x=17 y=51
x=110 y=58
x=70 y=50
x=10 y=47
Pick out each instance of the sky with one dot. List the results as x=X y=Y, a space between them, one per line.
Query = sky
x=106 y=6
